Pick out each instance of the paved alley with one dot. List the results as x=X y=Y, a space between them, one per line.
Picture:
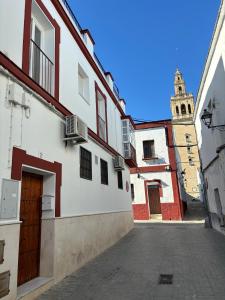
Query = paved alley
x=194 y=255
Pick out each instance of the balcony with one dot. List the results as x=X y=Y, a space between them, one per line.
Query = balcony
x=130 y=155
x=41 y=68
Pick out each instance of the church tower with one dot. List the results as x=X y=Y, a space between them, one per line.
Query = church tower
x=187 y=156
x=182 y=103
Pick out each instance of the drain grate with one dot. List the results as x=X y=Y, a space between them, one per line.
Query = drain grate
x=166 y=279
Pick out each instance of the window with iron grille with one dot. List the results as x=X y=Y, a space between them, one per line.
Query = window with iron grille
x=104 y=172
x=149 y=149
x=85 y=164
x=120 y=179
x=132 y=191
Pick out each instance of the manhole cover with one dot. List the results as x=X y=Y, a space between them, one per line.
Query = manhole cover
x=165 y=279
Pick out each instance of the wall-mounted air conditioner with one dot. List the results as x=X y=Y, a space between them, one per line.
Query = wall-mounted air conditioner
x=118 y=163
x=76 y=130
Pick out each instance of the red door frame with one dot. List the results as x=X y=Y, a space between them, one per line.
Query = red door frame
x=146 y=183
x=20 y=158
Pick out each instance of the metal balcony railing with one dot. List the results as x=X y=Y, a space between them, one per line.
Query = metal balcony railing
x=41 y=68
x=129 y=151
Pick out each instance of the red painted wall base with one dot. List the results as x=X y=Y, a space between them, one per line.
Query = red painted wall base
x=170 y=211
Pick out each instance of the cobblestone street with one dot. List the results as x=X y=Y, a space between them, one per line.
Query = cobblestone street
x=194 y=255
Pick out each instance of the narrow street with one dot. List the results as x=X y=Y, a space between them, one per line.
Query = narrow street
x=194 y=255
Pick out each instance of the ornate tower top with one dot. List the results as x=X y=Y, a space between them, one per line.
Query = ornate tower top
x=179 y=84
x=182 y=103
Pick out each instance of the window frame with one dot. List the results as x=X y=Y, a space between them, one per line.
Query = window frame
x=98 y=90
x=152 y=156
x=132 y=192
x=120 y=180
x=104 y=173
x=85 y=168
x=83 y=80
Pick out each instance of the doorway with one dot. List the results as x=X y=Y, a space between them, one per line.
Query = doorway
x=30 y=230
x=154 y=201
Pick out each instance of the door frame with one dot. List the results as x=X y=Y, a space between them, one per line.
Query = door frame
x=32 y=174
x=146 y=183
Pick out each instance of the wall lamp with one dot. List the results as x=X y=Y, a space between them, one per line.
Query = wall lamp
x=207 y=119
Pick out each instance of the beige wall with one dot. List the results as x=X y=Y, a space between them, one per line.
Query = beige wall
x=66 y=245
x=191 y=187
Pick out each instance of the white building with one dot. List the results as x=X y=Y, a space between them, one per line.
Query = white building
x=210 y=106
x=154 y=185
x=62 y=201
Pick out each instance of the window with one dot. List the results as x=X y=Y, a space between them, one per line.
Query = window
x=83 y=84
x=104 y=172
x=189 y=150
x=44 y=45
x=149 y=149
x=132 y=191
x=85 y=164
x=120 y=179
x=101 y=115
x=189 y=108
x=188 y=137
x=177 y=110
x=183 y=109
x=191 y=162
x=180 y=90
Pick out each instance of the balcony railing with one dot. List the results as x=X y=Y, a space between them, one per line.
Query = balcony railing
x=129 y=152
x=41 y=68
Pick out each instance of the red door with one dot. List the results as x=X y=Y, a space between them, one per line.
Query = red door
x=154 y=200
x=30 y=230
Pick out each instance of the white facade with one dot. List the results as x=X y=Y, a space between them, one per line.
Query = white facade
x=38 y=127
x=157 y=170
x=211 y=141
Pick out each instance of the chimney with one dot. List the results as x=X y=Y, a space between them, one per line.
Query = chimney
x=122 y=103
x=109 y=79
x=88 y=40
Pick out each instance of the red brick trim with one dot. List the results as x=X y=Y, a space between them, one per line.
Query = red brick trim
x=172 y=158
x=26 y=40
x=149 y=169
x=98 y=90
x=128 y=117
x=26 y=36
x=154 y=124
x=27 y=80
x=24 y=78
x=20 y=158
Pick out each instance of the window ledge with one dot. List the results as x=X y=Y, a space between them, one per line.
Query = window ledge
x=149 y=158
x=85 y=99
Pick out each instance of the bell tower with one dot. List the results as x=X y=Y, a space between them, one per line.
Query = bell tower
x=182 y=103
x=187 y=157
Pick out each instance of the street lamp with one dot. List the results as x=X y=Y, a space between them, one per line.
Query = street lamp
x=207 y=118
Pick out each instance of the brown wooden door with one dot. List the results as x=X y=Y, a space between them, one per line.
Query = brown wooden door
x=154 y=200
x=30 y=230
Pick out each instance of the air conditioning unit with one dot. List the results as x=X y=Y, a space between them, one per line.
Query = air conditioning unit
x=76 y=130
x=118 y=163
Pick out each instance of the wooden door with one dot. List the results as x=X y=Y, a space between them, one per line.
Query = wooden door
x=154 y=200
x=30 y=230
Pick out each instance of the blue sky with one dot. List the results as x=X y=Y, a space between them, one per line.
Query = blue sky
x=142 y=42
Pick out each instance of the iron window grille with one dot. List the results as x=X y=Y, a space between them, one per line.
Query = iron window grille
x=120 y=179
x=85 y=164
x=104 y=172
